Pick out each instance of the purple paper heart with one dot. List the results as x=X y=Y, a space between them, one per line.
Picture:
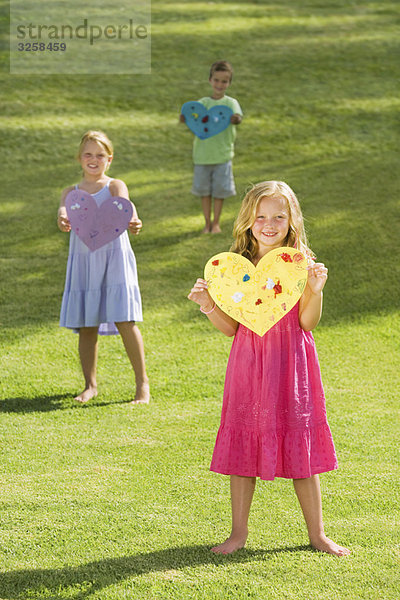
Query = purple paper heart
x=97 y=225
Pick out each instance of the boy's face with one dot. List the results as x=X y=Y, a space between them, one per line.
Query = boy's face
x=219 y=81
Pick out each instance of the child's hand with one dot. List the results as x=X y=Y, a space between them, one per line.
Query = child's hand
x=236 y=119
x=63 y=223
x=200 y=295
x=135 y=226
x=317 y=276
x=182 y=118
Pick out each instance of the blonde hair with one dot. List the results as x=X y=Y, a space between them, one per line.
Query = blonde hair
x=100 y=138
x=245 y=242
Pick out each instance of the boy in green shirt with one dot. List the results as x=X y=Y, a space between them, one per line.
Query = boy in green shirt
x=212 y=157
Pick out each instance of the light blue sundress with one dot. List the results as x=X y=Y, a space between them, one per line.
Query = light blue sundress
x=101 y=287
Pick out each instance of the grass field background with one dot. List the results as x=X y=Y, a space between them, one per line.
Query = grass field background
x=107 y=501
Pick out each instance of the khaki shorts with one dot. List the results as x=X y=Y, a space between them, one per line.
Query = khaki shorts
x=214 y=180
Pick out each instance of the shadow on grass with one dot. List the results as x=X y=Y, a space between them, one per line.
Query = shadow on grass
x=94 y=576
x=48 y=403
x=38 y=404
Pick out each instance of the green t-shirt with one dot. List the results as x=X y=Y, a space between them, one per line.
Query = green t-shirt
x=219 y=148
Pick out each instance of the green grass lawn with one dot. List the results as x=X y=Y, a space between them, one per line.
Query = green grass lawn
x=111 y=502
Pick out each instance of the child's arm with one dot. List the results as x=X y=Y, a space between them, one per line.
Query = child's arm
x=311 y=301
x=118 y=188
x=62 y=217
x=218 y=318
x=236 y=119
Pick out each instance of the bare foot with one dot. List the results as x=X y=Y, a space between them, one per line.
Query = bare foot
x=215 y=228
x=324 y=544
x=142 y=395
x=230 y=545
x=86 y=395
x=206 y=229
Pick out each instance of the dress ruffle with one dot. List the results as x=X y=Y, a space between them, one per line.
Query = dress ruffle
x=108 y=305
x=293 y=454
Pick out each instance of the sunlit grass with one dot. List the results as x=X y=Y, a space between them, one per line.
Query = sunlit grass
x=109 y=502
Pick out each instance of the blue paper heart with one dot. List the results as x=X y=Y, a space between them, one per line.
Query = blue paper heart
x=206 y=123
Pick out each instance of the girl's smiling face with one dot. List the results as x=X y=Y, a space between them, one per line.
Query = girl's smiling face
x=271 y=225
x=94 y=159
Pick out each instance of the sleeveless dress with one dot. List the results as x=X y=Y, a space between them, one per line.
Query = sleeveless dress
x=101 y=287
x=273 y=421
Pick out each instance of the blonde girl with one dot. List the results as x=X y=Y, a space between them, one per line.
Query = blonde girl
x=273 y=421
x=101 y=292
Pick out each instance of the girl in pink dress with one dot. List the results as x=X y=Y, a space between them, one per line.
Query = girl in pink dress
x=273 y=420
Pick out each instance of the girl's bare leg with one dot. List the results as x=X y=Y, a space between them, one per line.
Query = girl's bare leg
x=206 y=206
x=242 y=490
x=218 y=202
x=309 y=494
x=88 y=355
x=134 y=347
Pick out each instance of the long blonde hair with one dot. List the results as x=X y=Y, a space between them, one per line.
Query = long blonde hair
x=245 y=242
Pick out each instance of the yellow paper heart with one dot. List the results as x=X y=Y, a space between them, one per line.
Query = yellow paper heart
x=258 y=297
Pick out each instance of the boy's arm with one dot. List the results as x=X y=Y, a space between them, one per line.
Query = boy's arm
x=237 y=116
x=236 y=119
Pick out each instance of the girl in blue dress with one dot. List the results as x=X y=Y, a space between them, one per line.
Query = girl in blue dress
x=101 y=292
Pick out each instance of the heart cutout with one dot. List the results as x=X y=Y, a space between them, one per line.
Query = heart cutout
x=206 y=123
x=258 y=297
x=96 y=225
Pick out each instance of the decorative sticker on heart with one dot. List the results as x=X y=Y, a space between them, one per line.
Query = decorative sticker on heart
x=96 y=225
x=206 y=123
x=258 y=297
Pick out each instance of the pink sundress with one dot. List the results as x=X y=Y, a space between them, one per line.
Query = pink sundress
x=273 y=421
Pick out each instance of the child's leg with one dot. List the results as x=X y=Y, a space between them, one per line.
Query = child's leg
x=206 y=206
x=88 y=356
x=218 y=202
x=309 y=494
x=242 y=490
x=134 y=347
